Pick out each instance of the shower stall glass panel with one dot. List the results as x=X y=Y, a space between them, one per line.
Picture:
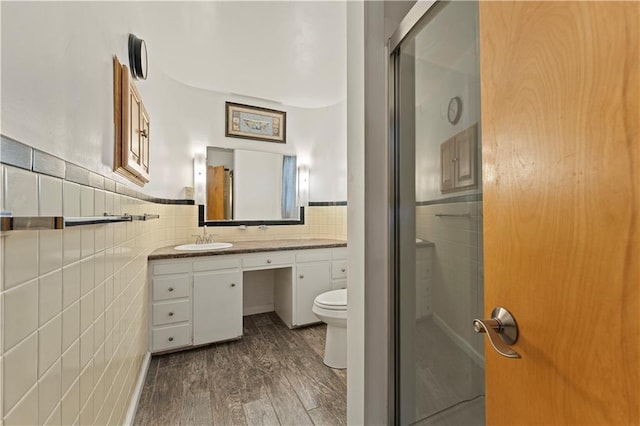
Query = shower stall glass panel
x=438 y=289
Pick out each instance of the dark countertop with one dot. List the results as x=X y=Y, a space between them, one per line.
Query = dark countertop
x=242 y=247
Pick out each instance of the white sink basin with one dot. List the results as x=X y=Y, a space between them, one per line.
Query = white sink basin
x=210 y=246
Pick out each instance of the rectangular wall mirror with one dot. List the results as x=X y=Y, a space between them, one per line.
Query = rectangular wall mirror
x=245 y=186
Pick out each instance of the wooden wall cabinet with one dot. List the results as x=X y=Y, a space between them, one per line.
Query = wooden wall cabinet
x=132 y=127
x=458 y=157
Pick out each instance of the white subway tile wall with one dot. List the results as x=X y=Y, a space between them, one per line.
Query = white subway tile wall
x=50 y=196
x=73 y=302
x=21 y=192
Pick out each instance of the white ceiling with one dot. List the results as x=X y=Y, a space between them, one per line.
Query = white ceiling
x=291 y=52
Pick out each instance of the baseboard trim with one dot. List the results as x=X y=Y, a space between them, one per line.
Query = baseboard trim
x=260 y=309
x=137 y=392
x=459 y=341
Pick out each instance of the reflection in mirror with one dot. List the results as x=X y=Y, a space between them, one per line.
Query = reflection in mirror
x=219 y=184
x=246 y=185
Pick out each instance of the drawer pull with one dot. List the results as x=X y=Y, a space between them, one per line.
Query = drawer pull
x=343 y=270
x=268 y=260
x=233 y=284
x=301 y=276
x=170 y=314
x=171 y=339
x=170 y=288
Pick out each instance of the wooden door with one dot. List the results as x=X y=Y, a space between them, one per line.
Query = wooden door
x=215 y=193
x=561 y=179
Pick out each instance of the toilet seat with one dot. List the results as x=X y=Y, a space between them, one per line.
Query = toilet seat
x=335 y=300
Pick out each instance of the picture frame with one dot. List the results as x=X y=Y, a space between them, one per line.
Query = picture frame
x=252 y=122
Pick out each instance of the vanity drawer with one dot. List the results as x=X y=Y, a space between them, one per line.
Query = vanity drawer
x=268 y=259
x=170 y=268
x=313 y=256
x=173 y=336
x=171 y=312
x=339 y=269
x=224 y=262
x=170 y=287
x=339 y=253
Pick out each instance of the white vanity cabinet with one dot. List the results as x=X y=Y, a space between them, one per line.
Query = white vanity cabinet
x=198 y=300
x=195 y=301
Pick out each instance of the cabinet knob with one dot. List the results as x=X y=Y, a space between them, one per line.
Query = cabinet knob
x=170 y=314
x=170 y=288
x=343 y=270
x=171 y=339
x=268 y=260
x=301 y=276
x=233 y=284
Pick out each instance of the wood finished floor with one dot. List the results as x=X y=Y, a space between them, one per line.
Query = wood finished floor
x=272 y=376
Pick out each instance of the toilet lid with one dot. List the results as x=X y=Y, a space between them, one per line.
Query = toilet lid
x=335 y=299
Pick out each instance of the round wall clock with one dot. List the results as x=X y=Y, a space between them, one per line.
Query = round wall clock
x=454 y=111
x=138 y=57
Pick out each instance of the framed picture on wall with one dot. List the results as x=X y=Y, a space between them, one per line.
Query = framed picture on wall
x=251 y=122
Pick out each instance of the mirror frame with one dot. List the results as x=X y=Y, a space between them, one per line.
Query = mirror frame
x=203 y=222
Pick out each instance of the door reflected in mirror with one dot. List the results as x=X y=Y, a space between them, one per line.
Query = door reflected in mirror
x=246 y=185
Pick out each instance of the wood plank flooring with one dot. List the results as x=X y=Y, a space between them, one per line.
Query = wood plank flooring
x=273 y=376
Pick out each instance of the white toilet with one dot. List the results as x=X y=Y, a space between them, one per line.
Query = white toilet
x=331 y=308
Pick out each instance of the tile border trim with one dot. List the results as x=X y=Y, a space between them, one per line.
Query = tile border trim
x=457 y=199
x=326 y=203
x=203 y=222
x=18 y=154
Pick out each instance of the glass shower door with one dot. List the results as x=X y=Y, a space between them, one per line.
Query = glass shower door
x=438 y=282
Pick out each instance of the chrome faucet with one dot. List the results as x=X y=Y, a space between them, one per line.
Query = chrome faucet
x=204 y=238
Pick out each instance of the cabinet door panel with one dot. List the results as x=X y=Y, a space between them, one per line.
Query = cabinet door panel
x=217 y=306
x=145 y=128
x=465 y=170
x=312 y=279
x=447 y=156
x=135 y=129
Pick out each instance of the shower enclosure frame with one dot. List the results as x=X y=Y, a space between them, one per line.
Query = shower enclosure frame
x=412 y=18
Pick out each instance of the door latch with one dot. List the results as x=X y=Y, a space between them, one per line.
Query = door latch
x=501 y=329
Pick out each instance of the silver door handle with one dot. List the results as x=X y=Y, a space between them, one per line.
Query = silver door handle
x=501 y=329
